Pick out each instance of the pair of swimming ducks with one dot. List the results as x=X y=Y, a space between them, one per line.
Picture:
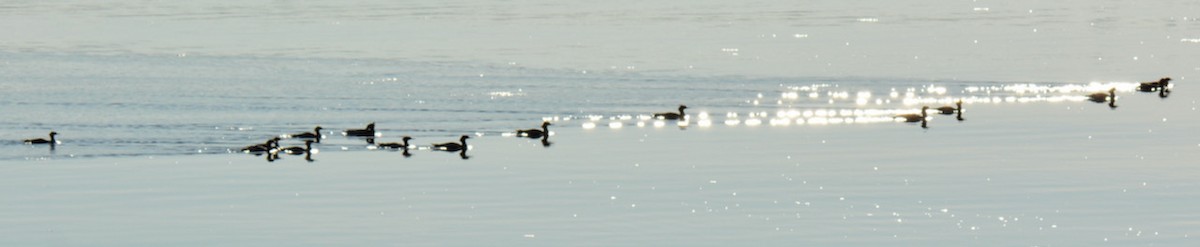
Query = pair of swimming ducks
x=945 y=110
x=1161 y=86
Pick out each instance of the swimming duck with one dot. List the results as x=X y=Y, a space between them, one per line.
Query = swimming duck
x=403 y=144
x=316 y=134
x=270 y=144
x=913 y=117
x=1102 y=97
x=947 y=110
x=1159 y=85
x=536 y=133
x=672 y=115
x=294 y=150
x=452 y=146
x=43 y=141
x=369 y=131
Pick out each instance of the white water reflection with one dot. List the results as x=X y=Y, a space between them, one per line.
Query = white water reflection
x=860 y=106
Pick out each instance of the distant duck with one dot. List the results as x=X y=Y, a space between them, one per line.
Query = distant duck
x=452 y=146
x=43 y=141
x=536 y=133
x=672 y=115
x=257 y=148
x=1152 y=86
x=947 y=110
x=294 y=150
x=1111 y=97
x=1102 y=97
x=316 y=134
x=913 y=117
x=403 y=144
x=369 y=131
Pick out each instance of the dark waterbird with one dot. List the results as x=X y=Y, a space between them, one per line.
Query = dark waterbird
x=369 y=131
x=536 y=133
x=315 y=134
x=393 y=145
x=1152 y=86
x=453 y=146
x=1101 y=97
x=264 y=147
x=913 y=117
x=296 y=150
x=947 y=110
x=51 y=141
x=672 y=115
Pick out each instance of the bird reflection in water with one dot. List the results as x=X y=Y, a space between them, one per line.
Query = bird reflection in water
x=463 y=154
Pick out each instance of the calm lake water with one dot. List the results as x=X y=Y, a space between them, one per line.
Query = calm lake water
x=790 y=139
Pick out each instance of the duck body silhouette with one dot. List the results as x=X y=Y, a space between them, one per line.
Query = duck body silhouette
x=316 y=134
x=51 y=141
x=913 y=117
x=403 y=144
x=295 y=150
x=536 y=133
x=369 y=131
x=453 y=146
x=1152 y=86
x=947 y=110
x=1102 y=97
x=264 y=147
x=672 y=115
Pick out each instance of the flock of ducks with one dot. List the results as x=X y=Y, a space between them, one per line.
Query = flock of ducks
x=272 y=149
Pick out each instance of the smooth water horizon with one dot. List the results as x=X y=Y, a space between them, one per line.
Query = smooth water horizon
x=791 y=136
